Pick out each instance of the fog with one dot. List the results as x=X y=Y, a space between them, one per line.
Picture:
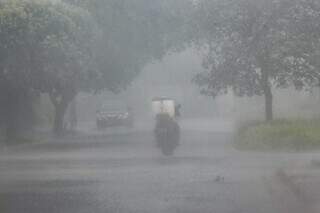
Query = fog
x=172 y=77
x=133 y=106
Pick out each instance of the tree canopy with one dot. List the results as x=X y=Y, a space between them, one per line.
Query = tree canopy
x=254 y=46
x=45 y=46
x=132 y=34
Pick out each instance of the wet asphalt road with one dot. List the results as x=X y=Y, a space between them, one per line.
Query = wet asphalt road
x=123 y=172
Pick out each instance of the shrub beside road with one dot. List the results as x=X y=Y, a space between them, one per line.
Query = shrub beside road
x=281 y=135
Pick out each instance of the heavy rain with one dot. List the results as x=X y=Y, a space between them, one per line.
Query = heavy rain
x=159 y=106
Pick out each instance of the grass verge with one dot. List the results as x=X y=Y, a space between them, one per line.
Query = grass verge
x=279 y=135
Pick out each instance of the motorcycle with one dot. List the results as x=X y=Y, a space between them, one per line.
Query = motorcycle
x=167 y=133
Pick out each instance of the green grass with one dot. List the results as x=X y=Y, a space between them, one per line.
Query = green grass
x=23 y=141
x=282 y=135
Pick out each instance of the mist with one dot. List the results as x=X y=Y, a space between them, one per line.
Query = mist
x=124 y=106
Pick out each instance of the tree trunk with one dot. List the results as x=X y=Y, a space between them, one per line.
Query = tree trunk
x=10 y=116
x=266 y=86
x=268 y=96
x=60 y=109
x=268 y=104
x=60 y=103
x=73 y=120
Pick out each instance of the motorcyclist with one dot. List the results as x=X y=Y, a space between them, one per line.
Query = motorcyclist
x=167 y=129
x=164 y=121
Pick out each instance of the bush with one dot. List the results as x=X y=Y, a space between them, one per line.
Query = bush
x=287 y=135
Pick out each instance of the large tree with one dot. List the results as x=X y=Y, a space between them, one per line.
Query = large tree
x=45 y=46
x=245 y=43
x=66 y=59
x=16 y=47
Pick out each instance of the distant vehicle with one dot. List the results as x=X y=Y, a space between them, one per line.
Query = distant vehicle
x=114 y=114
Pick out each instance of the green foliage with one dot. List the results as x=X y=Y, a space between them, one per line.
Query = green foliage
x=243 y=40
x=286 y=135
x=132 y=33
x=304 y=46
x=43 y=43
x=252 y=46
x=45 y=46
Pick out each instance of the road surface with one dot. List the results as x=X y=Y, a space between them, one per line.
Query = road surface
x=123 y=172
